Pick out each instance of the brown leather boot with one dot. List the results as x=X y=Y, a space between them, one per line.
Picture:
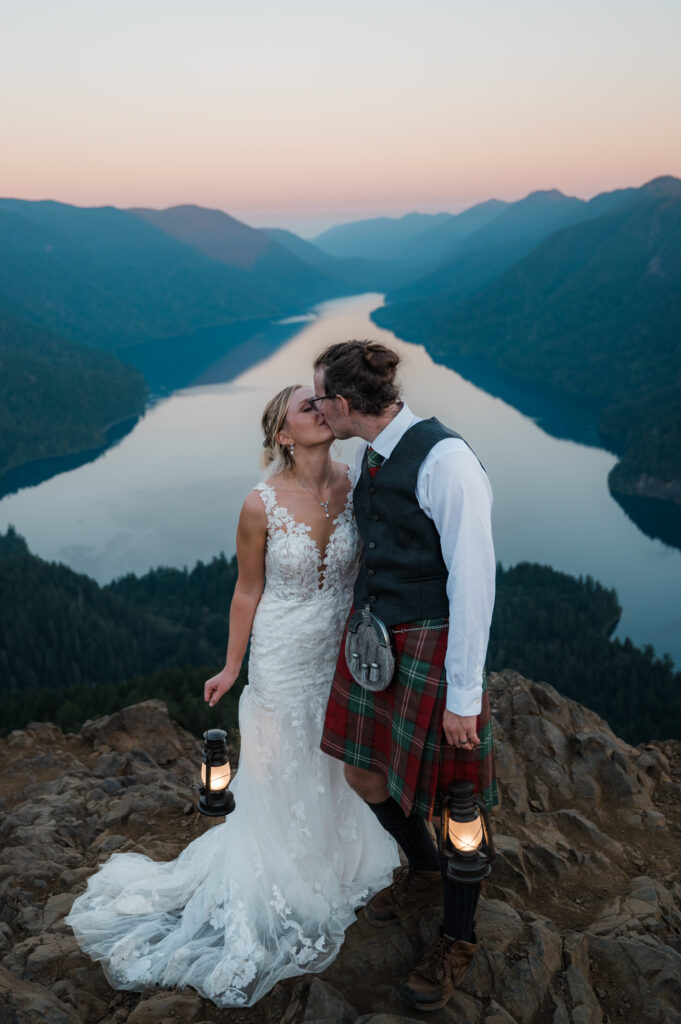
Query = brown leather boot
x=410 y=892
x=432 y=982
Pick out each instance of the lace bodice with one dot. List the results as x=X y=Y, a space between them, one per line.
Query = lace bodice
x=295 y=569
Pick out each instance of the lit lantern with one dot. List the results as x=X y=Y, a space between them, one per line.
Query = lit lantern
x=215 y=799
x=466 y=836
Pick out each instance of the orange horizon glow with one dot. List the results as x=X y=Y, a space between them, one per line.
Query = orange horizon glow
x=278 y=116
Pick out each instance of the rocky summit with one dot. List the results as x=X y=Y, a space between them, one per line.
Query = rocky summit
x=580 y=922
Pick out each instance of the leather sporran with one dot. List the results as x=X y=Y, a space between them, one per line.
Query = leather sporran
x=369 y=651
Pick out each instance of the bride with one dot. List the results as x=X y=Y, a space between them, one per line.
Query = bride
x=269 y=893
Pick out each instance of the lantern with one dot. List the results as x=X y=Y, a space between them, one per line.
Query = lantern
x=465 y=835
x=215 y=799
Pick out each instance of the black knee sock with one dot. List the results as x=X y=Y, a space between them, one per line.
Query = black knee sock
x=410 y=832
x=460 y=903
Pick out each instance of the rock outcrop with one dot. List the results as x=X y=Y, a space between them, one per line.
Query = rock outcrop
x=579 y=924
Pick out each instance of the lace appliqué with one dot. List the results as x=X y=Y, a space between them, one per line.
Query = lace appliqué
x=304 y=949
x=233 y=974
x=294 y=567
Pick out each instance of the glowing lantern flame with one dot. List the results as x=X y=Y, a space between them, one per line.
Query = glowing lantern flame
x=466 y=836
x=220 y=776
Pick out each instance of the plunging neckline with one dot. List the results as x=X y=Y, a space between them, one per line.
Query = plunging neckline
x=290 y=523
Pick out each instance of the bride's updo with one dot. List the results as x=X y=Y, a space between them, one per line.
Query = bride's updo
x=274 y=420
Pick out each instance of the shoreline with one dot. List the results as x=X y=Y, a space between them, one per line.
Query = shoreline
x=37 y=471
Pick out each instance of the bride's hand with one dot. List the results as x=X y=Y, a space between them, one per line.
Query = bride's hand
x=218 y=685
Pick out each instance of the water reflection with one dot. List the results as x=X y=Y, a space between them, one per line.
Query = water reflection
x=211 y=353
x=660 y=520
x=171 y=491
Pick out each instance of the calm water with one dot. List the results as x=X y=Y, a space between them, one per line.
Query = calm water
x=170 y=492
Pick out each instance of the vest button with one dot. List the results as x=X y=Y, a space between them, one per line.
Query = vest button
x=372 y=490
x=372 y=543
x=372 y=599
x=371 y=572
x=375 y=517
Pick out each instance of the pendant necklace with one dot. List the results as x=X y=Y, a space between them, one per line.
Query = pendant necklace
x=323 y=504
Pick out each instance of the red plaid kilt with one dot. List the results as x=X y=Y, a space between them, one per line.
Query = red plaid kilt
x=398 y=732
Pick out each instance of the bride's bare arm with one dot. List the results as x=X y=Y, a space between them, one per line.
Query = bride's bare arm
x=251 y=535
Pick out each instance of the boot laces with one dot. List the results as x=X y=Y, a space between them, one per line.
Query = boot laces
x=435 y=964
x=401 y=884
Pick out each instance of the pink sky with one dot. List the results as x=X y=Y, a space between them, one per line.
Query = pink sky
x=309 y=113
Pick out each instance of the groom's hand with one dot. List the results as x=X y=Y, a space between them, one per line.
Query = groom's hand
x=460 y=730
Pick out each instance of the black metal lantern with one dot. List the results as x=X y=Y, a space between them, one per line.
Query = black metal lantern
x=215 y=799
x=465 y=835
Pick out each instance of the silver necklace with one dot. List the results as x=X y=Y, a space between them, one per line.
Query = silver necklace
x=323 y=504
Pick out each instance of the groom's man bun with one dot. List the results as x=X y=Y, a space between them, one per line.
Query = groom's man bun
x=364 y=372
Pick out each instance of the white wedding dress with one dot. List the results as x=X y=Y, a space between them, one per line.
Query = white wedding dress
x=269 y=893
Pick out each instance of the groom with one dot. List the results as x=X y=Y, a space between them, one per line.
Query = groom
x=422 y=504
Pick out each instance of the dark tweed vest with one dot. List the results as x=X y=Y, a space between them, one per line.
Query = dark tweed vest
x=402 y=576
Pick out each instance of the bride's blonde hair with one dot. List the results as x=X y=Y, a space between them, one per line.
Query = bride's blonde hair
x=274 y=420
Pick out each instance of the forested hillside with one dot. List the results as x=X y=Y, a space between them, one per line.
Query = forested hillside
x=105 y=277
x=59 y=625
x=70 y=649
x=557 y=628
x=57 y=396
x=75 y=280
x=273 y=269
x=593 y=313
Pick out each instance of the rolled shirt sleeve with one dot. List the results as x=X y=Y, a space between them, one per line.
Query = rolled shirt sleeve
x=454 y=491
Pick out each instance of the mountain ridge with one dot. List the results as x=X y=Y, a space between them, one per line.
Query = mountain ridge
x=280 y=274
x=604 y=294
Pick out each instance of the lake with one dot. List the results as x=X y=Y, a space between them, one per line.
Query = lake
x=169 y=492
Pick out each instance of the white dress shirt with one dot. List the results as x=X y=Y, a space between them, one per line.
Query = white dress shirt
x=453 y=490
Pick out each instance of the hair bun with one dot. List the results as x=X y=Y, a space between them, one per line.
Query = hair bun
x=363 y=372
x=379 y=358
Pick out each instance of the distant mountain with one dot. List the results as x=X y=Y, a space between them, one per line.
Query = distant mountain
x=354 y=273
x=282 y=276
x=57 y=397
x=437 y=243
x=212 y=232
x=510 y=231
x=377 y=238
x=75 y=280
x=104 y=277
x=300 y=247
x=537 y=215
x=594 y=312
x=666 y=186
x=480 y=256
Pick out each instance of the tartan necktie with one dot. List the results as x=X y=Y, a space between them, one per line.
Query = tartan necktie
x=374 y=461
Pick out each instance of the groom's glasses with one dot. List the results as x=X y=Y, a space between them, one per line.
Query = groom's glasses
x=319 y=398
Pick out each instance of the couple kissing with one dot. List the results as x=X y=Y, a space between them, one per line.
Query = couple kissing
x=366 y=593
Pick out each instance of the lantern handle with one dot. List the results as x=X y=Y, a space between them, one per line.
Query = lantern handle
x=209 y=721
x=477 y=802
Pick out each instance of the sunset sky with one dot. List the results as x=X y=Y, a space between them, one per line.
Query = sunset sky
x=312 y=112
